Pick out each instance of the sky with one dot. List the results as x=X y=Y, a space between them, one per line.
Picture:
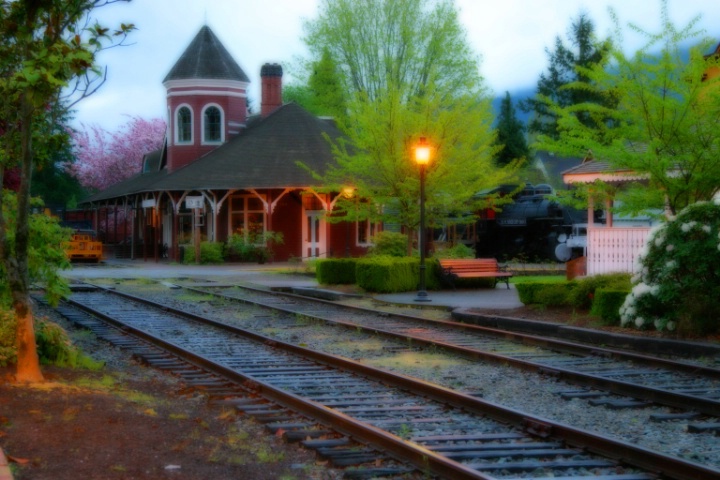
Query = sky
x=509 y=36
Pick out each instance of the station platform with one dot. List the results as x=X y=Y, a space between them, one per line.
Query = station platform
x=286 y=276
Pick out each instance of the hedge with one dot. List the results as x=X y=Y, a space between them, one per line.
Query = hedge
x=394 y=274
x=607 y=303
x=210 y=252
x=336 y=271
x=548 y=294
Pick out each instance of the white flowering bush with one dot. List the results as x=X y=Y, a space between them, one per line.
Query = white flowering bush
x=678 y=284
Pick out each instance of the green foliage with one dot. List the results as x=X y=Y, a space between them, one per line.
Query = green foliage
x=607 y=303
x=210 y=253
x=409 y=71
x=46 y=255
x=380 y=45
x=252 y=247
x=566 y=67
x=510 y=134
x=329 y=97
x=54 y=347
x=53 y=344
x=393 y=244
x=543 y=293
x=387 y=274
x=527 y=290
x=679 y=284
x=554 y=294
x=585 y=290
x=8 y=327
x=393 y=274
x=459 y=250
x=44 y=46
x=660 y=117
x=336 y=271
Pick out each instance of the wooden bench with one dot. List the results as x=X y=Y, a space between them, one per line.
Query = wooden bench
x=452 y=269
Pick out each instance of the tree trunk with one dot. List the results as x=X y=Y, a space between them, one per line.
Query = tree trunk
x=28 y=364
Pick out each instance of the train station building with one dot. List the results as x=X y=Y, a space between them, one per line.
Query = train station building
x=222 y=171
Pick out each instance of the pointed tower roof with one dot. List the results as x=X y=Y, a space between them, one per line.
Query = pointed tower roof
x=206 y=58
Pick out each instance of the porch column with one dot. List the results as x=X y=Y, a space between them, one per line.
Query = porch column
x=608 y=213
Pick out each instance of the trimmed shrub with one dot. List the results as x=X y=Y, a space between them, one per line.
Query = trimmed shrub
x=585 y=290
x=386 y=274
x=554 y=294
x=678 y=283
x=336 y=271
x=393 y=274
x=607 y=303
x=391 y=244
x=527 y=290
x=548 y=294
x=210 y=252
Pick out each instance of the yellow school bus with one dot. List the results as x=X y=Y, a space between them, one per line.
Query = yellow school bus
x=84 y=247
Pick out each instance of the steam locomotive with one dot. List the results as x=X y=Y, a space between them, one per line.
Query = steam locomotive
x=533 y=227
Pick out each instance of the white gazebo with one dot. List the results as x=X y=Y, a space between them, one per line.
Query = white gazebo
x=615 y=246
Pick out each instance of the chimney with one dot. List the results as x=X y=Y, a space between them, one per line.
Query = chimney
x=271 y=78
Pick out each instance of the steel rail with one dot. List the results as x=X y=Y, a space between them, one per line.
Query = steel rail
x=664 y=465
x=655 y=395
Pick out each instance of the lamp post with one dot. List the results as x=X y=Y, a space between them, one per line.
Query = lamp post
x=348 y=193
x=422 y=158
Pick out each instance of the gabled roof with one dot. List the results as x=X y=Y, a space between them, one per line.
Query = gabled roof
x=206 y=58
x=265 y=155
x=592 y=170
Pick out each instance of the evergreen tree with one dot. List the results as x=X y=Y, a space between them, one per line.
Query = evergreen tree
x=323 y=94
x=510 y=134
x=566 y=66
x=328 y=94
x=663 y=123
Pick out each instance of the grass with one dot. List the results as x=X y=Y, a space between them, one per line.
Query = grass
x=539 y=279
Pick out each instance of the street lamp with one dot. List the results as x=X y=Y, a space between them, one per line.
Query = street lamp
x=348 y=193
x=422 y=158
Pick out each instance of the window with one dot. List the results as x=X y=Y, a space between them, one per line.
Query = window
x=365 y=231
x=212 y=125
x=247 y=218
x=183 y=125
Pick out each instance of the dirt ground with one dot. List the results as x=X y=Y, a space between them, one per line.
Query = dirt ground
x=143 y=425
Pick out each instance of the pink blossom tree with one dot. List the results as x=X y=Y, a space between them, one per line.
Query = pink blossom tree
x=104 y=158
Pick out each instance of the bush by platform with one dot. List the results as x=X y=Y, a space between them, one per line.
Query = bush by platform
x=336 y=271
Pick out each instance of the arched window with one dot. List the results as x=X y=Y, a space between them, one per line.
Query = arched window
x=184 y=125
x=212 y=125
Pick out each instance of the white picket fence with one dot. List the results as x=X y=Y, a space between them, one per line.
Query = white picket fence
x=614 y=249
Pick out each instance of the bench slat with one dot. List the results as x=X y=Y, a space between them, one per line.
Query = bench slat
x=474 y=268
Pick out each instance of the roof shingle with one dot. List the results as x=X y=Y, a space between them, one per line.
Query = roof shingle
x=206 y=58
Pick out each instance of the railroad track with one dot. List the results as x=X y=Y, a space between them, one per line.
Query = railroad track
x=437 y=430
x=637 y=379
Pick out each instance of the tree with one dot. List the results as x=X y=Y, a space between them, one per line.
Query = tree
x=664 y=123
x=329 y=96
x=323 y=93
x=51 y=180
x=409 y=72
x=381 y=45
x=566 y=66
x=510 y=134
x=44 y=46
x=104 y=158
